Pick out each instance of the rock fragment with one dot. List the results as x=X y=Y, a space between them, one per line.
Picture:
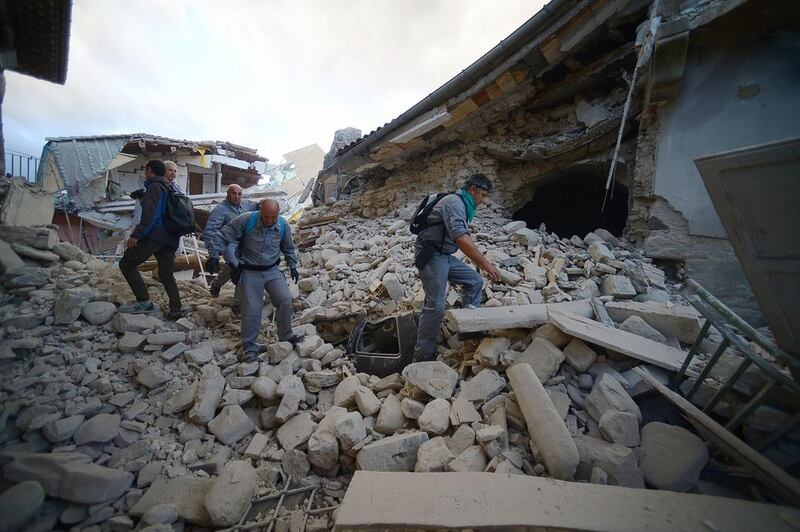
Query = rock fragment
x=672 y=457
x=394 y=453
x=436 y=379
x=229 y=497
x=231 y=425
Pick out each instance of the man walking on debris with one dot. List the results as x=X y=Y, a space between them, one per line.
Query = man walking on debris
x=150 y=238
x=171 y=173
x=253 y=244
x=222 y=215
x=444 y=233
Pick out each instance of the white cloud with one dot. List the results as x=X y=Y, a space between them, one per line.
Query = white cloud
x=273 y=75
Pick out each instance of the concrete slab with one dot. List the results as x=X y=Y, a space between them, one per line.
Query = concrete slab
x=377 y=500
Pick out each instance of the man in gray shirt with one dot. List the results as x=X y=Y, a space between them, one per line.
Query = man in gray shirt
x=446 y=233
x=254 y=251
x=232 y=206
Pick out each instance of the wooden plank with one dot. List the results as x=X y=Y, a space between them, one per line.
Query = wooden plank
x=767 y=472
x=681 y=322
x=512 y=317
x=629 y=344
x=434 y=501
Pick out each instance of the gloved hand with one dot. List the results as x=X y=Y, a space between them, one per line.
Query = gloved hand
x=236 y=272
x=136 y=194
x=295 y=276
x=212 y=265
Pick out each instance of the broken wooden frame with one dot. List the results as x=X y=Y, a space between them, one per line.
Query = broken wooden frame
x=763 y=469
x=725 y=320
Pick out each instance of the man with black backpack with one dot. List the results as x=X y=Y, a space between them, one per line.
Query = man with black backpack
x=253 y=245
x=151 y=237
x=440 y=224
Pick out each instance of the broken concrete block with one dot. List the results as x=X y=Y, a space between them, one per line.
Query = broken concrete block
x=186 y=493
x=257 y=445
x=526 y=237
x=231 y=425
x=512 y=227
x=181 y=400
x=618 y=286
x=99 y=429
x=295 y=463
x=543 y=357
x=579 y=355
x=152 y=377
x=67 y=476
x=545 y=425
x=600 y=253
x=672 y=457
x=98 y=312
x=278 y=351
x=130 y=342
x=9 y=259
x=433 y=456
x=620 y=427
x=350 y=429
x=436 y=379
x=296 y=431
x=394 y=453
x=483 y=386
x=492 y=440
x=470 y=459
x=367 y=402
x=265 y=389
x=489 y=350
x=317 y=381
x=209 y=392
x=636 y=325
x=166 y=338
x=390 y=418
x=412 y=409
x=463 y=411
x=293 y=392
x=345 y=394
x=229 y=497
x=19 y=503
x=45 y=257
x=435 y=419
x=59 y=430
x=552 y=334
x=681 y=322
x=323 y=450
x=461 y=439
x=200 y=355
x=608 y=394
x=617 y=461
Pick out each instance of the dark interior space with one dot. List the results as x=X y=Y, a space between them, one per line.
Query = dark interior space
x=570 y=204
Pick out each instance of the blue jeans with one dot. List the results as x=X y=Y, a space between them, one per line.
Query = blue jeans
x=434 y=275
x=251 y=292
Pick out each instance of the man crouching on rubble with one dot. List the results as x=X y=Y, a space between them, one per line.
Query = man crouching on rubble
x=447 y=232
x=253 y=244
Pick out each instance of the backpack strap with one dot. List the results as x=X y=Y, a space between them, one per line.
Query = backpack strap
x=281 y=226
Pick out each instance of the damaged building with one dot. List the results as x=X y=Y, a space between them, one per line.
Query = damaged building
x=586 y=94
x=92 y=178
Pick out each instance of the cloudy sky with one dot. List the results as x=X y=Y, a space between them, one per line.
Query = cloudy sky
x=274 y=75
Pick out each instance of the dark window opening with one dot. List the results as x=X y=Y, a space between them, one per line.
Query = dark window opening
x=570 y=205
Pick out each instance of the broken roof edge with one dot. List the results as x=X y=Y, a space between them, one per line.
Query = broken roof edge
x=249 y=154
x=461 y=81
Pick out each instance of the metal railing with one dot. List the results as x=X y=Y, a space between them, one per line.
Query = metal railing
x=20 y=164
x=738 y=334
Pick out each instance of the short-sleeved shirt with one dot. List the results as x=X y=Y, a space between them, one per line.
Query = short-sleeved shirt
x=451 y=211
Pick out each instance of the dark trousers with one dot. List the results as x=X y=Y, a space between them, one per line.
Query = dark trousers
x=165 y=255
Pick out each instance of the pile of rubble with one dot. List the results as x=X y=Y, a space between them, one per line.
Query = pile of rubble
x=110 y=418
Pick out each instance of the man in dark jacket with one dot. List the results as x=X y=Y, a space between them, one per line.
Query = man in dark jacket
x=150 y=238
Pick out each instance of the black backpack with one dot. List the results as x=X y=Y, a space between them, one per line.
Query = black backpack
x=419 y=222
x=178 y=213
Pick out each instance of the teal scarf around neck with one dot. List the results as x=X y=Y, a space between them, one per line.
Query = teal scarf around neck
x=469 y=202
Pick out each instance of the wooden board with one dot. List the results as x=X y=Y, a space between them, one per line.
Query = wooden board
x=490 y=501
x=629 y=344
x=512 y=317
x=763 y=469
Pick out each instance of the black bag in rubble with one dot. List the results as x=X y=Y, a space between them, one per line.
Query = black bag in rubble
x=178 y=213
x=419 y=222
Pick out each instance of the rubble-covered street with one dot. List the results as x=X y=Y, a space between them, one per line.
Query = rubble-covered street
x=123 y=420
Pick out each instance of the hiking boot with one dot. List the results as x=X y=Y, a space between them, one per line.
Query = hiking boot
x=249 y=356
x=214 y=289
x=295 y=339
x=175 y=314
x=140 y=307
